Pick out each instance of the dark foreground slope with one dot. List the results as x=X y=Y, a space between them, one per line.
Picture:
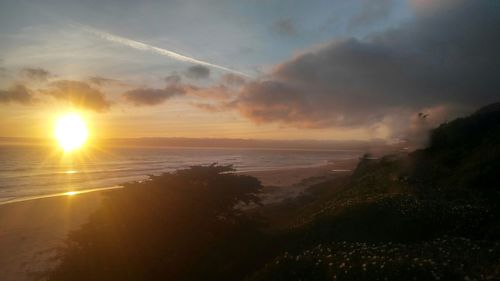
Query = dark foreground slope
x=429 y=215
x=177 y=226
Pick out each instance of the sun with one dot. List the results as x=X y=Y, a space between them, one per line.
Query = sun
x=71 y=131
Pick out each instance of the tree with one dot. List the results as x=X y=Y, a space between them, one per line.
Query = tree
x=164 y=228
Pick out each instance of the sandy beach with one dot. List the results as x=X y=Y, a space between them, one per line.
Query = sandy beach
x=290 y=177
x=288 y=183
x=31 y=231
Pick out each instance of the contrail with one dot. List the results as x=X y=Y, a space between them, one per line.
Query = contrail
x=145 y=47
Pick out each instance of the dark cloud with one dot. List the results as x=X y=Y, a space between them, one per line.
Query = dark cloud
x=284 y=27
x=37 y=74
x=79 y=94
x=150 y=97
x=18 y=94
x=198 y=72
x=447 y=57
x=173 y=78
x=220 y=92
x=210 y=107
x=226 y=88
x=103 y=81
x=269 y=101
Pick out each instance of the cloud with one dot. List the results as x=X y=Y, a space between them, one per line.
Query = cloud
x=103 y=81
x=37 y=74
x=78 y=94
x=209 y=107
x=232 y=80
x=198 y=72
x=284 y=27
x=218 y=91
x=150 y=97
x=17 y=94
x=225 y=89
x=447 y=57
x=268 y=101
x=222 y=92
x=173 y=78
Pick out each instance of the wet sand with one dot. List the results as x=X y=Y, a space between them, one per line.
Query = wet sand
x=290 y=183
x=30 y=231
x=290 y=177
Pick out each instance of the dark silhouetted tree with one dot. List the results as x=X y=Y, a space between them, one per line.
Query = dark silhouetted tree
x=182 y=225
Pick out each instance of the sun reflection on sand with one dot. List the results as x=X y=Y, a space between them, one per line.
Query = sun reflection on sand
x=68 y=193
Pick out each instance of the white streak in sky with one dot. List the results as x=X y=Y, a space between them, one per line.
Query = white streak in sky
x=145 y=47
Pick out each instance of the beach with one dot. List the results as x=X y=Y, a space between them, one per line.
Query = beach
x=281 y=184
x=32 y=230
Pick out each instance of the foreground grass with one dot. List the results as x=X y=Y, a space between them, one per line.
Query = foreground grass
x=445 y=258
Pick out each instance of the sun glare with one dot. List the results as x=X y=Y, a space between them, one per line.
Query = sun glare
x=71 y=193
x=71 y=131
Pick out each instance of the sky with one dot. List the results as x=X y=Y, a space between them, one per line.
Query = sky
x=326 y=70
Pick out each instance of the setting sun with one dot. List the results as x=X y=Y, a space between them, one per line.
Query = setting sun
x=71 y=131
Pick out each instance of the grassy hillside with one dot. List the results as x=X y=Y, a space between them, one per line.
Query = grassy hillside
x=430 y=215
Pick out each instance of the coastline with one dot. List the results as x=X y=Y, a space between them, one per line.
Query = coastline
x=32 y=229
x=284 y=184
x=59 y=194
x=287 y=177
x=276 y=177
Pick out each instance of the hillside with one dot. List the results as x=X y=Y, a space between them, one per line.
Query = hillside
x=429 y=215
x=463 y=153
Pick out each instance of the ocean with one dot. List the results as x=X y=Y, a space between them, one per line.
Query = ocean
x=30 y=171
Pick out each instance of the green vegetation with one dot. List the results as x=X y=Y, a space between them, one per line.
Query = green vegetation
x=428 y=215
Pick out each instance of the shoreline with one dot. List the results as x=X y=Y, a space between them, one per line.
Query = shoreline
x=288 y=177
x=59 y=194
x=280 y=185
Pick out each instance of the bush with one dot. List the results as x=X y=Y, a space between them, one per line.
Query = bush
x=176 y=226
